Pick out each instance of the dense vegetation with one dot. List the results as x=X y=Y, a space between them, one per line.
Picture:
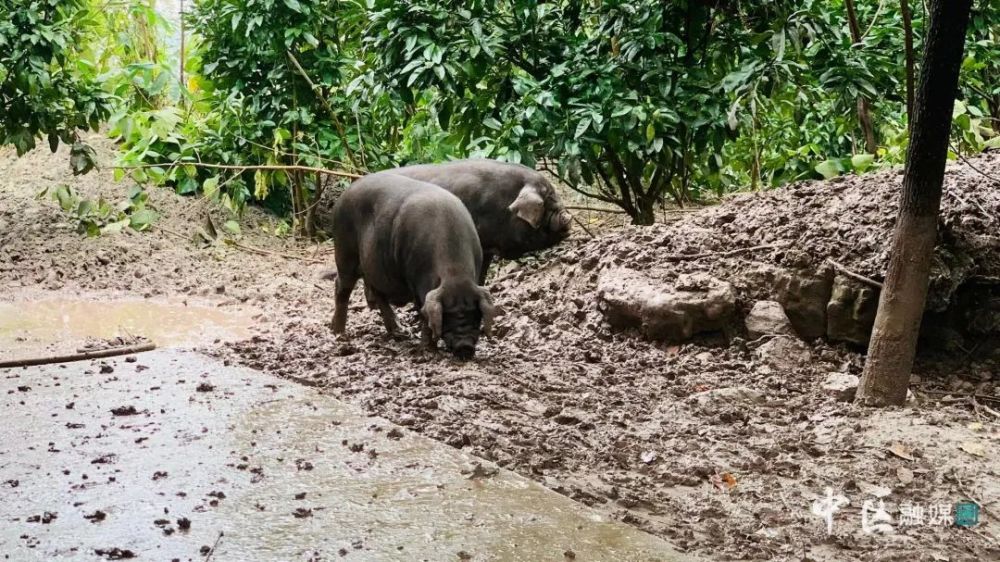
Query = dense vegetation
x=636 y=103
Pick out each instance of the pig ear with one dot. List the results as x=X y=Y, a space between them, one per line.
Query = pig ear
x=433 y=312
x=529 y=206
x=488 y=311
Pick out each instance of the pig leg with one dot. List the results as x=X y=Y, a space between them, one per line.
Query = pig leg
x=426 y=336
x=345 y=284
x=487 y=258
x=388 y=316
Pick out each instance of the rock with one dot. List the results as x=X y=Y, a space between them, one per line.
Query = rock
x=802 y=294
x=842 y=386
x=768 y=318
x=850 y=313
x=785 y=353
x=694 y=304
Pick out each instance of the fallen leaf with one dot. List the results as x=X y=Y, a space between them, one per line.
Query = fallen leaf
x=904 y=474
x=974 y=448
x=724 y=481
x=975 y=426
x=648 y=457
x=729 y=480
x=901 y=451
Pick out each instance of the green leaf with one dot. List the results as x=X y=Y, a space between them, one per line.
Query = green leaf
x=82 y=158
x=115 y=227
x=141 y=219
x=862 y=162
x=232 y=227
x=650 y=132
x=829 y=169
x=294 y=5
x=581 y=127
x=67 y=199
x=210 y=187
x=492 y=123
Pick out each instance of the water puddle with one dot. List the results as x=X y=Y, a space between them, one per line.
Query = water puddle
x=28 y=328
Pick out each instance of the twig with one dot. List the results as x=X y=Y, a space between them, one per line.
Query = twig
x=214 y=546
x=596 y=209
x=174 y=232
x=969 y=164
x=333 y=114
x=974 y=202
x=97 y=354
x=272 y=167
x=855 y=276
x=682 y=257
x=264 y=252
x=583 y=226
x=986 y=397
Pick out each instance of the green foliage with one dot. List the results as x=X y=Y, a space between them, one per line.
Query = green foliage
x=95 y=218
x=635 y=103
x=46 y=87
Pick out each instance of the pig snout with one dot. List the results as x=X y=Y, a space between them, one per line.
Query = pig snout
x=560 y=222
x=461 y=336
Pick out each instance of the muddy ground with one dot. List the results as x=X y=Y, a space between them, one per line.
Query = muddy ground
x=716 y=446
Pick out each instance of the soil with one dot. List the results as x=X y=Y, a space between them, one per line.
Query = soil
x=716 y=445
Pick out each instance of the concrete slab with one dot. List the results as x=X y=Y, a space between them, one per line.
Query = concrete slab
x=262 y=469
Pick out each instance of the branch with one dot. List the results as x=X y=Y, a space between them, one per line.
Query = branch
x=83 y=356
x=855 y=276
x=333 y=114
x=275 y=167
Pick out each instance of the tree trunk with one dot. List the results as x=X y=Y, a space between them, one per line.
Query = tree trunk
x=901 y=306
x=645 y=212
x=864 y=111
x=910 y=70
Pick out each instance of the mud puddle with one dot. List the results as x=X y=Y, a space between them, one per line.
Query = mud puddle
x=33 y=327
x=191 y=458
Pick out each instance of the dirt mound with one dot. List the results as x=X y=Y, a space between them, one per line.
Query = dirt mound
x=806 y=246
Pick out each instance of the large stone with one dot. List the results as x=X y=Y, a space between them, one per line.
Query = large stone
x=674 y=312
x=785 y=353
x=768 y=318
x=842 y=386
x=803 y=294
x=850 y=314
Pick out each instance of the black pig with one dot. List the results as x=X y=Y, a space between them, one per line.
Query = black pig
x=515 y=209
x=412 y=242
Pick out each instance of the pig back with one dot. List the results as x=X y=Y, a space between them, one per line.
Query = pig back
x=407 y=234
x=488 y=188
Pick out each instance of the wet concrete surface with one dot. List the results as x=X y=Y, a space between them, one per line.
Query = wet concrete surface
x=34 y=327
x=168 y=454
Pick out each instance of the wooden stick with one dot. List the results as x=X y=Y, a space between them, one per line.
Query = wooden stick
x=271 y=167
x=855 y=276
x=96 y=354
x=333 y=114
x=583 y=226
x=986 y=397
x=264 y=252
